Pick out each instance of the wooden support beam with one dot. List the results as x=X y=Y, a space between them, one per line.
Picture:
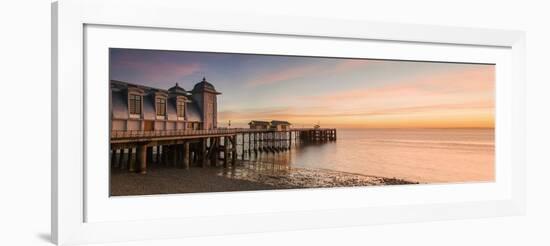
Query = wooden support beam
x=142 y=158
x=174 y=155
x=121 y=159
x=179 y=155
x=277 y=140
x=249 y=144
x=160 y=149
x=255 y=144
x=203 y=152
x=242 y=147
x=234 y=150
x=290 y=140
x=186 y=155
x=166 y=154
x=157 y=159
x=213 y=152
x=131 y=162
x=260 y=141
x=114 y=158
x=164 y=158
x=182 y=154
x=225 y=151
x=149 y=154
x=274 y=140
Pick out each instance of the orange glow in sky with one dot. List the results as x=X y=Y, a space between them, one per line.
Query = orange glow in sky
x=459 y=98
x=344 y=93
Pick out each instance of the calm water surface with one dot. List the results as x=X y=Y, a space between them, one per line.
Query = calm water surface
x=422 y=155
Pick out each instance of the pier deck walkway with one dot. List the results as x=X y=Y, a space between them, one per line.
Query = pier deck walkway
x=188 y=146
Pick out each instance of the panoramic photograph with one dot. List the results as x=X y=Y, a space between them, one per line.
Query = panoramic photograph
x=195 y=122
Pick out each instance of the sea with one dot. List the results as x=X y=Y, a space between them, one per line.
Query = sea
x=419 y=155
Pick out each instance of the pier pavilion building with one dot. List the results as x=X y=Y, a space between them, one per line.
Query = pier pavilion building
x=138 y=107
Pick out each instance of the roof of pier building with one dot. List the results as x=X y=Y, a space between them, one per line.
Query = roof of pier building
x=280 y=122
x=121 y=89
x=259 y=122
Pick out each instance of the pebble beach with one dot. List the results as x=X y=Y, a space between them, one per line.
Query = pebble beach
x=244 y=177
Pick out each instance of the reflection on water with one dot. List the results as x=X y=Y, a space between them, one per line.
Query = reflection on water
x=280 y=175
x=277 y=166
x=421 y=155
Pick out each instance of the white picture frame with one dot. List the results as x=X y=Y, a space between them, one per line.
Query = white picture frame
x=83 y=214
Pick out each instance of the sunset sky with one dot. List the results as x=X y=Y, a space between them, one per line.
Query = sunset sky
x=342 y=93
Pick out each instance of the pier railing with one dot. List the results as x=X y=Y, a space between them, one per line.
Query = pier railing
x=125 y=134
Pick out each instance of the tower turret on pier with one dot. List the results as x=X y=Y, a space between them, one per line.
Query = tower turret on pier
x=205 y=96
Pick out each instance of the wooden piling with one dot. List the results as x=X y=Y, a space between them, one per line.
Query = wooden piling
x=242 y=146
x=164 y=158
x=121 y=159
x=157 y=154
x=213 y=152
x=186 y=155
x=142 y=158
x=131 y=162
x=225 y=151
x=234 y=151
x=249 y=144
x=149 y=154
x=203 y=152
x=173 y=155
x=289 y=140
x=113 y=160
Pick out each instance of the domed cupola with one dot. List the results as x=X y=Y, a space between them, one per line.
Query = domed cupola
x=178 y=90
x=204 y=86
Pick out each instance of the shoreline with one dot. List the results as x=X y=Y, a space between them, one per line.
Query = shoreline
x=244 y=177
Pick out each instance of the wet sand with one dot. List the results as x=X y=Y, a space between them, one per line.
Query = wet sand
x=170 y=180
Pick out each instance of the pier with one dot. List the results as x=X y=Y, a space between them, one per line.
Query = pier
x=134 y=150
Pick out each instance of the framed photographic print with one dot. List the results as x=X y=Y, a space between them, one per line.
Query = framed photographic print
x=168 y=125
x=261 y=122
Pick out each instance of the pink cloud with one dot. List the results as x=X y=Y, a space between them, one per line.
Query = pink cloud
x=457 y=98
x=305 y=71
x=155 y=71
x=381 y=92
x=283 y=75
x=476 y=80
x=481 y=78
